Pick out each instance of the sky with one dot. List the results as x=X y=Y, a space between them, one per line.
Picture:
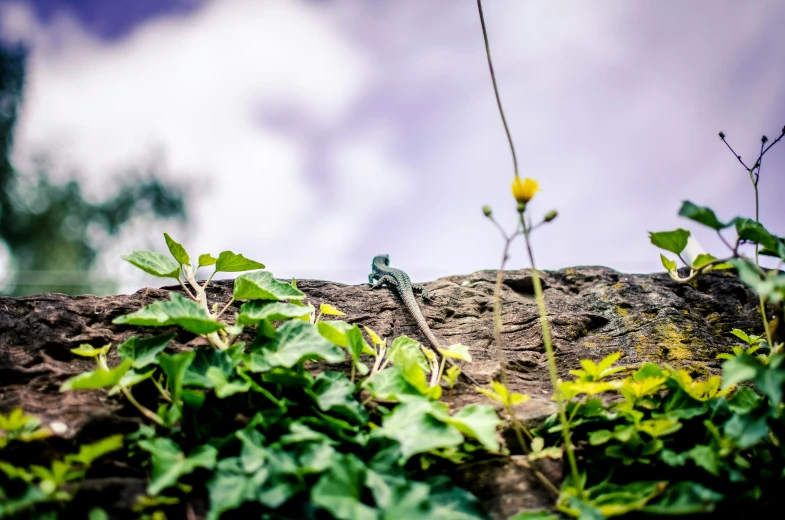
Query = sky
x=313 y=135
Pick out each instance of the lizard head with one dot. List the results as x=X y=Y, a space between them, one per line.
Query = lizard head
x=384 y=259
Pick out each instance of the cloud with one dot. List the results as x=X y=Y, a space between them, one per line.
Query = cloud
x=317 y=135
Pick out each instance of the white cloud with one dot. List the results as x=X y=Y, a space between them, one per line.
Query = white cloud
x=326 y=133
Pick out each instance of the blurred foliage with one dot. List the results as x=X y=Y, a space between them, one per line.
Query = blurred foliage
x=49 y=228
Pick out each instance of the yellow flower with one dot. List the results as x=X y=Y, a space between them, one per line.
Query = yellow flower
x=524 y=190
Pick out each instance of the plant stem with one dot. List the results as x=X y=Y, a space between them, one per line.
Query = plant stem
x=765 y=321
x=230 y=302
x=546 y=338
x=144 y=410
x=496 y=87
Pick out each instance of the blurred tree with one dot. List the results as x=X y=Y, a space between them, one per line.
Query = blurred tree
x=49 y=228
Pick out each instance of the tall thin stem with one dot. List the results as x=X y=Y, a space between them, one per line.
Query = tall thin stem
x=554 y=375
x=496 y=88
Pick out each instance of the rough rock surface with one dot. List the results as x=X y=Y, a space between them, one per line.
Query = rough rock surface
x=593 y=312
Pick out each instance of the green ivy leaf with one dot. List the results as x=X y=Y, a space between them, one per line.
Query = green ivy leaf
x=405 y=350
x=222 y=384
x=339 y=491
x=229 y=262
x=295 y=342
x=684 y=498
x=357 y=345
x=334 y=393
x=478 y=421
x=98 y=378
x=251 y=313
x=205 y=260
x=335 y=331
x=175 y=366
x=230 y=487
x=260 y=285
x=416 y=427
x=86 y=350
x=89 y=452
x=131 y=378
x=673 y=241
x=701 y=214
x=169 y=463
x=391 y=384
x=178 y=311
x=457 y=352
x=154 y=263
x=204 y=359
x=177 y=250
x=143 y=352
x=753 y=231
x=739 y=369
x=668 y=264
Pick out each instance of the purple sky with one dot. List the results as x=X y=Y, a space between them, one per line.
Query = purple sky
x=314 y=135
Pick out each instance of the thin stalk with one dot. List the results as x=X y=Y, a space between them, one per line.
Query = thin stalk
x=229 y=303
x=546 y=338
x=201 y=299
x=765 y=321
x=496 y=87
x=143 y=409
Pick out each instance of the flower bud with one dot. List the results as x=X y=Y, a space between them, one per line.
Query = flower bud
x=764 y=139
x=722 y=135
x=552 y=214
x=486 y=210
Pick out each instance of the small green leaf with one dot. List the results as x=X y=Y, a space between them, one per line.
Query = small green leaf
x=334 y=393
x=417 y=429
x=391 y=384
x=701 y=214
x=753 y=231
x=738 y=370
x=223 y=386
x=177 y=250
x=205 y=260
x=668 y=264
x=295 y=342
x=89 y=452
x=86 y=350
x=98 y=378
x=154 y=263
x=335 y=331
x=178 y=311
x=229 y=262
x=742 y=336
x=175 y=366
x=457 y=352
x=673 y=241
x=478 y=421
x=260 y=285
x=339 y=491
x=405 y=349
x=143 y=352
x=131 y=378
x=169 y=463
x=251 y=313
x=205 y=358
x=375 y=339
x=357 y=344
x=329 y=310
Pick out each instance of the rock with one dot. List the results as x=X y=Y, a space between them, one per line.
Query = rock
x=593 y=311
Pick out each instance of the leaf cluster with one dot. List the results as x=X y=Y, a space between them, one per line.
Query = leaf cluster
x=44 y=487
x=662 y=443
x=256 y=428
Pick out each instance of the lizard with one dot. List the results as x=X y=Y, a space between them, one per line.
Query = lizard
x=382 y=273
